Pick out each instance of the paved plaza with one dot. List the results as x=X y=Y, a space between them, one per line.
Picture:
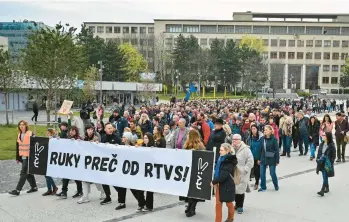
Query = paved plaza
x=295 y=201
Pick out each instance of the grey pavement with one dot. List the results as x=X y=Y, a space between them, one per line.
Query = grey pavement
x=295 y=201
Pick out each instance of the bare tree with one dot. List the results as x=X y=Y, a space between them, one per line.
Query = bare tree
x=276 y=76
x=163 y=59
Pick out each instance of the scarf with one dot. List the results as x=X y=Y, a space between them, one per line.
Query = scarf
x=218 y=165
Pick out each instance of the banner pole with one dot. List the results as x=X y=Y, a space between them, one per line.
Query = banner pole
x=214 y=161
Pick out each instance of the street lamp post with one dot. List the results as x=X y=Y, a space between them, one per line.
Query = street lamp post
x=100 y=80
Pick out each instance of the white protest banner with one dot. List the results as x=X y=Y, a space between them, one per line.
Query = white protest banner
x=169 y=171
x=65 y=108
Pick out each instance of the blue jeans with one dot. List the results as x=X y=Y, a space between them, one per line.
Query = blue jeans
x=303 y=139
x=286 y=144
x=272 y=171
x=312 y=150
x=50 y=183
x=324 y=177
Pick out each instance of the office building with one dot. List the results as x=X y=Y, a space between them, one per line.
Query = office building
x=308 y=49
x=17 y=34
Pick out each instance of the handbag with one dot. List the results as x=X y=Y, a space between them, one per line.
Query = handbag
x=268 y=154
x=236 y=176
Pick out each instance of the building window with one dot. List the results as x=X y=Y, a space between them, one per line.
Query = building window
x=117 y=30
x=309 y=55
x=92 y=29
x=326 y=68
x=336 y=43
x=282 y=55
x=261 y=29
x=143 y=30
x=335 y=68
x=317 y=55
x=109 y=29
x=327 y=43
x=310 y=43
x=134 y=30
x=294 y=30
x=291 y=43
x=345 y=44
x=226 y=29
x=273 y=55
x=300 y=55
x=314 y=30
x=203 y=42
x=266 y=42
x=278 y=30
x=344 y=56
x=318 y=43
x=334 y=80
x=345 y=30
x=208 y=28
x=327 y=55
x=151 y=30
x=291 y=55
x=134 y=42
x=190 y=28
x=282 y=43
x=100 y=29
x=273 y=42
x=331 y=30
x=243 y=29
x=300 y=43
x=172 y=28
x=325 y=80
x=265 y=55
x=126 y=30
x=335 y=56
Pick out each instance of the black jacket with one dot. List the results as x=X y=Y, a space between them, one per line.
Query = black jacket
x=161 y=143
x=112 y=139
x=331 y=153
x=225 y=179
x=216 y=139
x=314 y=132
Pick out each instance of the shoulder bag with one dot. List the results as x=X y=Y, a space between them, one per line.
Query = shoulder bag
x=268 y=154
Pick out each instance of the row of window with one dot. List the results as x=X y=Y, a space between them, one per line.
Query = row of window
x=308 y=55
x=118 y=29
x=249 y=29
x=307 y=43
x=133 y=41
x=326 y=80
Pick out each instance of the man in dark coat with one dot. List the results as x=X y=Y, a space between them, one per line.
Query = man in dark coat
x=217 y=137
x=35 y=111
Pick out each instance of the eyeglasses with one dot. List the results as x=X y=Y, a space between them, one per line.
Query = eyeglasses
x=236 y=139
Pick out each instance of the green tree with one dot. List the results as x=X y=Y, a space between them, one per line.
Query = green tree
x=252 y=43
x=344 y=79
x=112 y=62
x=134 y=63
x=53 y=60
x=276 y=76
x=89 y=89
x=231 y=64
x=9 y=80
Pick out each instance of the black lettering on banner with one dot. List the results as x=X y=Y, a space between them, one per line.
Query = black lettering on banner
x=88 y=160
x=148 y=170
x=126 y=167
x=95 y=163
x=178 y=172
x=168 y=171
x=158 y=168
x=77 y=159
x=112 y=162
x=68 y=159
x=185 y=174
x=61 y=158
x=54 y=156
x=104 y=164
x=134 y=168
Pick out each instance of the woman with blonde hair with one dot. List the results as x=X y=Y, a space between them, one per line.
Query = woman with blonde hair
x=224 y=181
x=22 y=155
x=193 y=142
x=229 y=135
x=145 y=124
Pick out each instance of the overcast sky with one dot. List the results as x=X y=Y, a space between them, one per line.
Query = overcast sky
x=78 y=11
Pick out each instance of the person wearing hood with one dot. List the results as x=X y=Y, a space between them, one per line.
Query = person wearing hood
x=245 y=164
x=224 y=182
x=268 y=157
x=217 y=137
x=254 y=143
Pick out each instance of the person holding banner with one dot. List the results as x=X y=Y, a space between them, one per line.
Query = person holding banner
x=193 y=142
x=51 y=186
x=90 y=135
x=224 y=181
x=111 y=137
x=159 y=139
x=22 y=155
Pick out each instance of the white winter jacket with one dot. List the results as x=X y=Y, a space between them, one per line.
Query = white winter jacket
x=245 y=164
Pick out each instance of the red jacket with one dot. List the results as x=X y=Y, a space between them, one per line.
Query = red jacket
x=206 y=130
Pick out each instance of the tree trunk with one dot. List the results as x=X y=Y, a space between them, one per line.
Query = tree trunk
x=6 y=113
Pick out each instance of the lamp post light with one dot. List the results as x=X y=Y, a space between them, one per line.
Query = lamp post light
x=100 y=71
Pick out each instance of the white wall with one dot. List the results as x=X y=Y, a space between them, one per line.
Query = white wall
x=16 y=101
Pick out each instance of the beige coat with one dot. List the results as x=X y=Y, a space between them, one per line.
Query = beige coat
x=286 y=124
x=245 y=164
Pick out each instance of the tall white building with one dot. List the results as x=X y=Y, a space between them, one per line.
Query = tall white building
x=308 y=49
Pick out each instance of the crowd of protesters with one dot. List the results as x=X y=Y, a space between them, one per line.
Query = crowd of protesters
x=249 y=137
